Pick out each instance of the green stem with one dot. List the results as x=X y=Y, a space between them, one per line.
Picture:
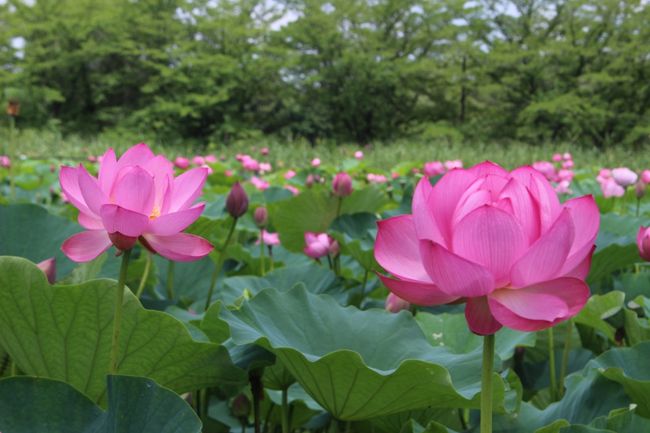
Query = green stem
x=11 y=154
x=338 y=207
x=170 y=280
x=285 y=410
x=262 y=254
x=117 y=314
x=565 y=356
x=551 y=360
x=486 y=384
x=365 y=281
x=217 y=268
x=638 y=205
x=203 y=405
x=145 y=276
x=271 y=265
x=329 y=260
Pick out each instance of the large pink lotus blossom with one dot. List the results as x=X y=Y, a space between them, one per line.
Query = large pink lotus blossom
x=499 y=240
x=249 y=163
x=135 y=198
x=318 y=245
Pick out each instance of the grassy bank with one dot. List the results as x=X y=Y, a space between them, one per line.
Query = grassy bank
x=35 y=144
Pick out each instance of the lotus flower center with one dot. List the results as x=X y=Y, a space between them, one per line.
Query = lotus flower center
x=155 y=213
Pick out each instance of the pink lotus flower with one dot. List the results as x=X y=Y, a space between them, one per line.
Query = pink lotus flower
x=546 y=168
x=568 y=164
x=454 y=163
x=395 y=304
x=264 y=151
x=643 y=242
x=566 y=175
x=557 y=157
x=563 y=187
x=289 y=174
x=358 y=155
x=567 y=156
x=135 y=198
x=394 y=175
x=293 y=189
x=342 y=185
x=433 y=168
x=610 y=188
x=210 y=159
x=265 y=167
x=645 y=176
x=198 y=161
x=270 y=239
x=49 y=269
x=92 y=158
x=181 y=162
x=315 y=162
x=5 y=162
x=624 y=176
x=499 y=240
x=250 y=164
x=228 y=173
x=319 y=245
x=260 y=184
x=376 y=178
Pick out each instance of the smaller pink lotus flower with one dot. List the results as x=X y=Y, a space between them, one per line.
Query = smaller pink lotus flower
x=315 y=162
x=181 y=162
x=210 y=159
x=270 y=239
x=135 y=197
x=567 y=156
x=260 y=184
x=643 y=242
x=198 y=161
x=376 y=178
x=289 y=174
x=557 y=157
x=265 y=167
x=264 y=151
x=395 y=304
x=49 y=269
x=610 y=188
x=454 y=163
x=319 y=245
x=624 y=176
x=358 y=155
x=433 y=168
x=5 y=162
x=342 y=185
x=250 y=164
x=293 y=189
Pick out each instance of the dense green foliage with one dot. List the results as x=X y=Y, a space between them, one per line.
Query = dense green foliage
x=348 y=70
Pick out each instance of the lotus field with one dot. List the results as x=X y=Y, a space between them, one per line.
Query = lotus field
x=162 y=293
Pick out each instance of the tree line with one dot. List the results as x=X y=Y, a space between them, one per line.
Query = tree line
x=344 y=70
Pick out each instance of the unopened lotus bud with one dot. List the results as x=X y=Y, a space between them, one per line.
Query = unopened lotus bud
x=309 y=181
x=342 y=185
x=237 y=201
x=395 y=304
x=241 y=406
x=639 y=189
x=49 y=268
x=261 y=216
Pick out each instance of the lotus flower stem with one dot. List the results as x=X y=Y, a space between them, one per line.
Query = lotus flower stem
x=565 y=356
x=262 y=253
x=486 y=384
x=638 y=205
x=217 y=268
x=145 y=276
x=170 y=279
x=285 y=410
x=551 y=361
x=117 y=314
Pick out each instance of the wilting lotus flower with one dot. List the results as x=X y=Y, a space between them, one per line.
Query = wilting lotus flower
x=358 y=155
x=181 y=162
x=269 y=238
x=135 y=198
x=499 y=240
x=624 y=176
x=643 y=242
x=49 y=269
x=318 y=245
x=342 y=185
x=395 y=304
x=433 y=168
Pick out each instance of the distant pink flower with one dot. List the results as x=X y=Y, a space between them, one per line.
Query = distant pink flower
x=624 y=176
x=610 y=188
x=181 y=162
x=49 y=269
x=136 y=197
x=395 y=304
x=499 y=240
x=394 y=175
x=603 y=175
x=265 y=167
x=342 y=185
x=557 y=157
x=645 y=176
x=565 y=175
x=270 y=239
x=250 y=164
x=567 y=156
x=563 y=187
x=289 y=174
x=5 y=162
x=260 y=184
x=293 y=189
x=433 y=168
x=92 y=158
x=208 y=168
x=358 y=155
x=319 y=245
x=643 y=242
x=264 y=151
x=376 y=178
x=568 y=164
x=546 y=168
x=228 y=173
x=454 y=163
x=198 y=161
x=315 y=162
x=210 y=159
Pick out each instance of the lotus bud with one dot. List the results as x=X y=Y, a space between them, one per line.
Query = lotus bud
x=261 y=216
x=395 y=304
x=643 y=242
x=639 y=189
x=645 y=176
x=342 y=185
x=49 y=268
x=237 y=201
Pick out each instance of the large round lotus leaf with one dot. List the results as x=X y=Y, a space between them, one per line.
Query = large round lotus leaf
x=135 y=405
x=629 y=367
x=358 y=364
x=64 y=332
x=28 y=230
